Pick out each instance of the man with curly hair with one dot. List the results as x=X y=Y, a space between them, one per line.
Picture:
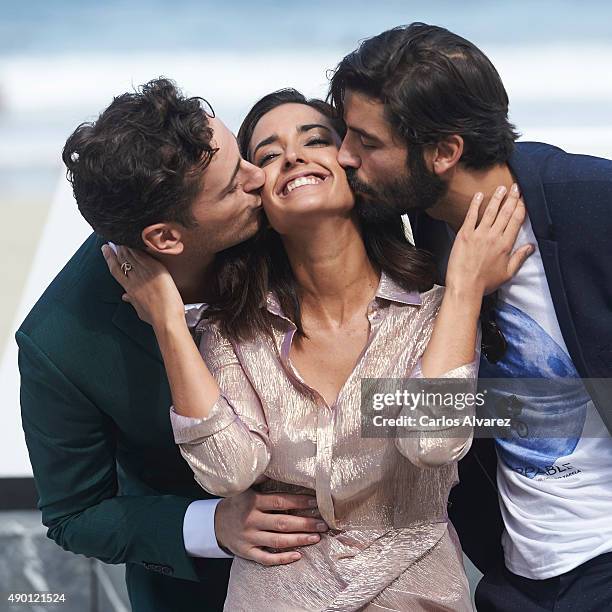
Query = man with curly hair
x=156 y=171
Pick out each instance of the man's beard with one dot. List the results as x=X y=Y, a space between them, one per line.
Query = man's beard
x=417 y=190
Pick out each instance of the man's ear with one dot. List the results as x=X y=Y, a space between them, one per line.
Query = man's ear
x=163 y=239
x=446 y=154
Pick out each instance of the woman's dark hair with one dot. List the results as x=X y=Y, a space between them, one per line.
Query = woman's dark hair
x=245 y=273
x=434 y=84
x=278 y=98
x=140 y=162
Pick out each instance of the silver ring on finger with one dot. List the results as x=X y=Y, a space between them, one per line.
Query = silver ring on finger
x=126 y=266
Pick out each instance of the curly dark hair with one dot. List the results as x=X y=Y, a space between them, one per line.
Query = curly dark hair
x=434 y=84
x=140 y=162
x=245 y=273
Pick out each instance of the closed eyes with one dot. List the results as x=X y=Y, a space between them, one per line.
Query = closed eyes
x=313 y=142
x=365 y=145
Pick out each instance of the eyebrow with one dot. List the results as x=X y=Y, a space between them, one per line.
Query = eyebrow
x=300 y=129
x=234 y=173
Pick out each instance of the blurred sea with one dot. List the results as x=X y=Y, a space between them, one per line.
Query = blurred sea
x=61 y=63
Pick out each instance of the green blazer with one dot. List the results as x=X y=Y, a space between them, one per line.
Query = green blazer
x=94 y=402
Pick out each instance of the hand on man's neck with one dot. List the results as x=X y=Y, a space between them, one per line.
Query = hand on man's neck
x=462 y=187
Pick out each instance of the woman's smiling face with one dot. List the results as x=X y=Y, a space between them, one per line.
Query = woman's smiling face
x=297 y=148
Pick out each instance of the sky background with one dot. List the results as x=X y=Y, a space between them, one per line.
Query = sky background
x=62 y=61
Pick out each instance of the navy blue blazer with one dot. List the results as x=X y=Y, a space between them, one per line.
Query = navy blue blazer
x=569 y=201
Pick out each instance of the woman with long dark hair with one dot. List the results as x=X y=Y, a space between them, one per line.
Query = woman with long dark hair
x=298 y=318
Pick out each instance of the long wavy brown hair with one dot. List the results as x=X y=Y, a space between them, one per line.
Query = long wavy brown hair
x=246 y=273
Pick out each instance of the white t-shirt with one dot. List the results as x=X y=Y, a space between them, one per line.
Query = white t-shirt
x=555 y=493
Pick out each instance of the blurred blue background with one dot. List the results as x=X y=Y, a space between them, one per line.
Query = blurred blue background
x=62 y=62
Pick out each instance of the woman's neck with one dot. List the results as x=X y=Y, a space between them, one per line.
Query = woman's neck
x=335 y=278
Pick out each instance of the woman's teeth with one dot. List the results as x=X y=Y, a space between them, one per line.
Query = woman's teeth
x=300 y=182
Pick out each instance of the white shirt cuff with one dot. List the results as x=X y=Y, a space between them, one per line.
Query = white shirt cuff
x=199 y=530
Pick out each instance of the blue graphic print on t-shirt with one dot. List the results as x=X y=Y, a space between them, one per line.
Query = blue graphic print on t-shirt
x=548 y=425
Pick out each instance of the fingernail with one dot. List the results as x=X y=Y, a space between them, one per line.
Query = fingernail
x=296 y=556
x=322 y=526
x=103 y=249
x=313 y=538
x=514 y=188
x=500 y=190
x=478 y=197
x=312 y=502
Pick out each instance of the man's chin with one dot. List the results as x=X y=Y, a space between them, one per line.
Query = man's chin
x=372 y=212
x=253 y=227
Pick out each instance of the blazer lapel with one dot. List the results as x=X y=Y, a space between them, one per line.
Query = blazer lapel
x=525 y=168
x=110 y=291
x=526 y=171
x=126 y=319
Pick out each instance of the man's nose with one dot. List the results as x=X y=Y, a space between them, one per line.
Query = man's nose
x=346 y=158
x=256 y=177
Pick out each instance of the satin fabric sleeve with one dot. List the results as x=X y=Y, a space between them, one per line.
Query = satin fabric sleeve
x=423 y=447
x=229 y=450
